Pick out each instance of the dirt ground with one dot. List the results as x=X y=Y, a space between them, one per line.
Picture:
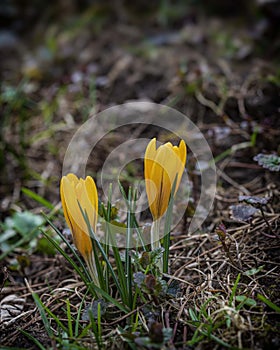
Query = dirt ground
x=215 y=64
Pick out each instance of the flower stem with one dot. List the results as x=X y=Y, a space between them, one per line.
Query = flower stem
x=155 y=243
x=92 y=270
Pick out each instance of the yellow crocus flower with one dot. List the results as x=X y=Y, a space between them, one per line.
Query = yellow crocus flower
x=160 y=169
x=84 y=192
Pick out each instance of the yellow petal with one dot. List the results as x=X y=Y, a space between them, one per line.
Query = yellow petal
x=149 y=157
x=72 y=178
x=82 y=240
x=162 y=165
x=163 y=174
x=85 y=197
x=183 y=158
x=93 y=198
x=72 y=191
x=77 y=194
x=181 y=153
x=64 y=207
x=148 y=164
x=71 y=194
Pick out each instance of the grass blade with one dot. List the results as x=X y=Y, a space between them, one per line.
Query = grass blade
x=37 y=198
x=69 y=319
x=269 y=303
x=128 y=269
x=84 y=275
x=134 y=220
x=167 y=228
x=70 y=247
x=43 y=314
x=121 y=281
x=233 y=292
x=96 y=326
x=78 y=317
x=120 y=285
x=35 y=341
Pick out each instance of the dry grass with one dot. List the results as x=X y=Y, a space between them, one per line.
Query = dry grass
x=207 y=280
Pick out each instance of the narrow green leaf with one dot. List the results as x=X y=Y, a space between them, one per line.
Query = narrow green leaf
x=107 y=238
x=70 y=247
x=269 y=303
x=196 y=338
x=35 y=341
x=193 y=315
x=112 y=300
x=203 y=310
x=69 y=319
x=99 y=328
x=220 y=341
x=120 y=288
x=56 y=319
x=94 y=327
x=127 y=250
x=167 y=227
x=84 y=276
x=121 y=281
x=134 y=221
x=43 y=315
x=37 y=198
x=234 y=289
x=78 y=317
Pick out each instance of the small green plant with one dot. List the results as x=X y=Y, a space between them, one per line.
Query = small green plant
x=72 y=333
x=121 y=277
x=18 y=230
x=268 y=161
x=214 y=317
x=204 y=325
